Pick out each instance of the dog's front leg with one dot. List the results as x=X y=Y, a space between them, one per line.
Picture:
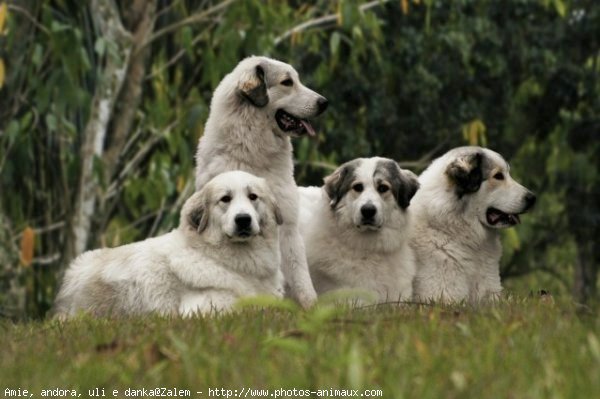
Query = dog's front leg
x=294 y=265
x=206 y=302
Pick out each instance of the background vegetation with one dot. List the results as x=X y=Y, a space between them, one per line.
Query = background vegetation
x=102 y=104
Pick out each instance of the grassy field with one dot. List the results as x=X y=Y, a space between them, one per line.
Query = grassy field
x=521 y=348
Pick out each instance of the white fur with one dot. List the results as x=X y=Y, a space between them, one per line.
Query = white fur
x=374 y=262
x=456 y=250
x=191 y=269
x=240 y=135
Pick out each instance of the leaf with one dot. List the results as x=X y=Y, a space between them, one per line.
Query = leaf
x=559 y=6
x=3 y=14
x=1 y=73
x=100 y=46
x=404 y=6
x=348 y=16
x=334 y=43
x=13 y=130
x=51 y=122
x=38 y=54
x=27 y=243
x=474 y=132
x=355 y=372
x=511 y=239
x=187 y=39
x=180 y=183
x=594 y=345
x=58 y=27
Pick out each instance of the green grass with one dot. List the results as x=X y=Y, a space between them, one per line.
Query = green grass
x=521 y=348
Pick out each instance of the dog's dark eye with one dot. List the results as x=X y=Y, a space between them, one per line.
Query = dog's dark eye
x=287 y=82
x=252 y=197
x=499 y=176
x=358 y=187
x=226 y=198
x=383 y=188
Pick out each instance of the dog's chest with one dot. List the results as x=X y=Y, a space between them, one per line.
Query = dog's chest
x=353 y=268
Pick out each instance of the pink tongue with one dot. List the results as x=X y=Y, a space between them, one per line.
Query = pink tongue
x=308 y=127
x=494 y=217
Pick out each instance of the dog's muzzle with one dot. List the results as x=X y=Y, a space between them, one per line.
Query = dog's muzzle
x=322 y=104
x=497 y=218
x=368 y=213
x=243 y=225
x=295 y=125
x=292 y=124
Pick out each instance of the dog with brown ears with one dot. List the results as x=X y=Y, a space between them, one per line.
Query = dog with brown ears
x=465 y=197
x=356 y=230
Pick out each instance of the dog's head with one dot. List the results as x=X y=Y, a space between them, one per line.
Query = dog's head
x=234 y=205
x=480 y=179
x=275 y=88
x=370 y=193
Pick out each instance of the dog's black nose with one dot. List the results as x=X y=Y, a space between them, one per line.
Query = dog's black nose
x=368 y=211
x=243 y=221
x=529 y=200
x=322 y=104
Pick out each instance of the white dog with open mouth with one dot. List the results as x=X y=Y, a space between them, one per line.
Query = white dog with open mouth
x=465 y=197
x=225 y=248
x=254 y=111
x=356 y=227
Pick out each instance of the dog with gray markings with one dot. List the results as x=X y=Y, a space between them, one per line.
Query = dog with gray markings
x=466 y=196
x=225 y=248
x=356 y=230
x=254 y=111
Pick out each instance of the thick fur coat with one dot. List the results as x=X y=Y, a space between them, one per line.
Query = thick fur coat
x=355 y=230
x=225 y=248
x=466 y=196
x=254 y=112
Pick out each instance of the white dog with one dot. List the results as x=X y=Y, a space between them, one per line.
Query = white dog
x=226 y=247
x=465 y=197
x=254 y=111
x=355 y=230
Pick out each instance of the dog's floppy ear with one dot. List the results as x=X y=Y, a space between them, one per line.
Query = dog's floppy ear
x=409 y=186
x=274 y=207
x=198 y=218
x=466 y=173
x=253 y=87
x=276 y=212
x=269 y=199
x=404 y=182
x=195 y=212
x=338 y=183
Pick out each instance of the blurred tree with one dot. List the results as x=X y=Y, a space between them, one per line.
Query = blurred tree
x=103 y=104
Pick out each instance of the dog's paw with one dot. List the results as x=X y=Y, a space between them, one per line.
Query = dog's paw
x=306 y=297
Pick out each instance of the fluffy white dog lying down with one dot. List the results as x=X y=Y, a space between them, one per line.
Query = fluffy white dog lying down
x=355 y=229
x=466 y=196
x=226 y=247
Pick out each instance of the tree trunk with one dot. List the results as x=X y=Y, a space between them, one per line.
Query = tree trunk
x=12 y=290
x=139 y=19
x=108 y=88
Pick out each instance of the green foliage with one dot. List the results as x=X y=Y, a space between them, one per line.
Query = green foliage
x=518 y=76
x=519 y=348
